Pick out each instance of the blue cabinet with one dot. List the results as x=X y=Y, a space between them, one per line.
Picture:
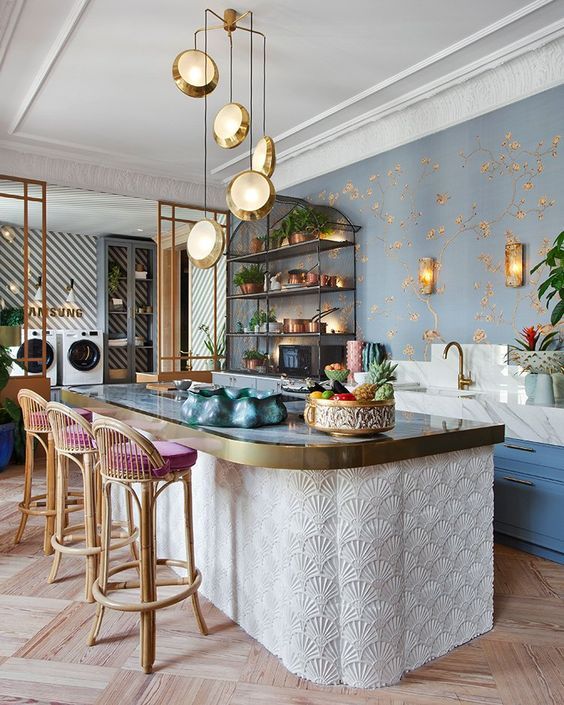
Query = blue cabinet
x=529 y=497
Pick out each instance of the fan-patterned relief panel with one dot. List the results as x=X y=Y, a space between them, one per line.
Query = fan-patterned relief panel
x=349 y=576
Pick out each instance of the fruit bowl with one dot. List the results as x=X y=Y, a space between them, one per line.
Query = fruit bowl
x=350 y=418
x=337 y=375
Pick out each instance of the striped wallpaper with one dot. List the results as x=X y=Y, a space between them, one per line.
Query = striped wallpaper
x=69 y=256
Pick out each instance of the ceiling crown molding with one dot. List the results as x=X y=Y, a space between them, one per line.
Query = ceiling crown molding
x=65 y=172
x=423 y=112
x=10 y=11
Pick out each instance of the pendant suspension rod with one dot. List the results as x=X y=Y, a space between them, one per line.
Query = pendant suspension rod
x=251 y=97
x=230 y=68
x=206 y=118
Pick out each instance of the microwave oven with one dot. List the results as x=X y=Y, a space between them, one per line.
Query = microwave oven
x=295 y=360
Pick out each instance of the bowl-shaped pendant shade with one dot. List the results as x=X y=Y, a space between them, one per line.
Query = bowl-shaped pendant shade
x=205 y=243
x=231 y=125
x=264 y=156
x=250 y=195
x=195 y=73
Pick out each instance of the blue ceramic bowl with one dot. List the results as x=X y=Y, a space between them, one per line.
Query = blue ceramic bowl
x=233 y=407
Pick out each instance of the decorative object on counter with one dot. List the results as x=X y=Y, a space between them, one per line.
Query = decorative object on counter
x=539 y=388
x=514 y=264
x=250 y=194
x=234 y=407
x=531 y=351
x=115 y=273
x=354 y=356
x=555 y=281
x=250 y=279
x=379 y=385
x=350 y=418
x=336 y=371
x=253 y=358
x=426 y=275
x=372 y=352
x=217 y=349
x=182 y=385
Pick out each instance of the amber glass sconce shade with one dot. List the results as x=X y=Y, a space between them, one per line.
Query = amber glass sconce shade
x=514 y=264
x=426 y=275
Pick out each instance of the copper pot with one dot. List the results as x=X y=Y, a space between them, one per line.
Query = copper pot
x=253 y=363
x=251 y=288
x=297 y=276
x=316 y=327
x=256 y=245
x=312 y=279
x=296 y=238
x=295 y=325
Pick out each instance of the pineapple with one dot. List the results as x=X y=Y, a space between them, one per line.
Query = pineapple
x=384 y=393
x=382 y=373
x=365 y=392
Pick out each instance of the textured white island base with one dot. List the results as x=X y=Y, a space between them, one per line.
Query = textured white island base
x=349 y=576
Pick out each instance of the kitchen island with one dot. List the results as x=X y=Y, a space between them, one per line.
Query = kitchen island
x=352 y=560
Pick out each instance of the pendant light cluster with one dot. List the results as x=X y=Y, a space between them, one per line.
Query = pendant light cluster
x=250 y=194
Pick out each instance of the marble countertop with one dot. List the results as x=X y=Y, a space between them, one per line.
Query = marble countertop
x=291 y=444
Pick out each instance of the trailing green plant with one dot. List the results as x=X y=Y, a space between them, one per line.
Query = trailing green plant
x=253 y=274
x=10 y=412
x=254 y=354
x=554 y=284
x=11 y=317
x=114 y=275
x=302 y=219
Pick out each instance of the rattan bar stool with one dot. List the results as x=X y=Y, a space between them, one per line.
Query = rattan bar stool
x=132 y=461
x=74 y=442
x=36 y=426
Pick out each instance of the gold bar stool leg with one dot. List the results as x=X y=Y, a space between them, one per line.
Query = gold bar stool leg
x=50 y=499
x=28 y=478
x=191 y=563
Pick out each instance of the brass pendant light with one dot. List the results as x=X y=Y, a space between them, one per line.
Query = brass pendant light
x=231 y=125
x=250 y=195
x=205 y=243
x=195 y=73
x=264 y=156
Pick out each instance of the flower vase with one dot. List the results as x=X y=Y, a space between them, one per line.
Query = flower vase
x=544 y=391
x=530 y=385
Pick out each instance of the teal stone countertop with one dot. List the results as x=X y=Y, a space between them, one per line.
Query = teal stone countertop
x=289 y=445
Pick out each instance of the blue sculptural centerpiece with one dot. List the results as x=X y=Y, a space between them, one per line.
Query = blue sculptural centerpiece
x=233 y=407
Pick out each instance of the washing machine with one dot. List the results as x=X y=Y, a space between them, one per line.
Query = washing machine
x=35 y=350
x=81 y=357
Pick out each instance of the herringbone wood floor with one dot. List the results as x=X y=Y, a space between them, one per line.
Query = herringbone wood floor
x=44 y=658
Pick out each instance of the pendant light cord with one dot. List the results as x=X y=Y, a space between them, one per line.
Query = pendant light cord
x=206 y=117
x=251 y=98
x=264 y=85
x=230 y=68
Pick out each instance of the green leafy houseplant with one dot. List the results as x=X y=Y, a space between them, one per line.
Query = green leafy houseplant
x=250 y=279
x=554 y=284
x=114 y=275
x=11 y=317
x=254 y=354
x=10 y=412
x=302 y=219
x=216 y=351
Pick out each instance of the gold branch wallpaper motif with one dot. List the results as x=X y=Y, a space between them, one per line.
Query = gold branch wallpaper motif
x=457 y=196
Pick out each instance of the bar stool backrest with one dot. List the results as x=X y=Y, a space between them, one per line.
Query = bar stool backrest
x=34 y=413
x=72 y=434
x=124 y=453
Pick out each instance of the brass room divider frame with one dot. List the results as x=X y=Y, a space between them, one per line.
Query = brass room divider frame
x=171 y=358
x=35 y=381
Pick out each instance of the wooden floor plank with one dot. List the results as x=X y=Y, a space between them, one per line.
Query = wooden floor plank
x=531 y=620
x=21 y=617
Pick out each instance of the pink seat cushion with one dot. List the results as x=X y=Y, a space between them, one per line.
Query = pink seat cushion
x=127 y=458
x=39 y=421
x=77 y=437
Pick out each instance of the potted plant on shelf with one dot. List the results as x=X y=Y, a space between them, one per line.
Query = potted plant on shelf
x=217 y=351
x=250 y=279
x=300 y=225
x=253 y=358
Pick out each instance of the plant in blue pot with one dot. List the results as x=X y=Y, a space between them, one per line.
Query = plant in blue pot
x=11 y=435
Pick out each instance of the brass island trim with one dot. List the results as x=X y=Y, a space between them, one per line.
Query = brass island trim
x=316 y=453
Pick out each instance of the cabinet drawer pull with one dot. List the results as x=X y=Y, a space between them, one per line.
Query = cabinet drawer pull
x=523 y=448
x=518 y=481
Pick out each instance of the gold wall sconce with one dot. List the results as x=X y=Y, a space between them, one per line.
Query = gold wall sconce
x=426 y=275
x=514 y=264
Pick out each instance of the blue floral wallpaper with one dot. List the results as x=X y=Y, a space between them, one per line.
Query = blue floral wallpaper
x=458 y=196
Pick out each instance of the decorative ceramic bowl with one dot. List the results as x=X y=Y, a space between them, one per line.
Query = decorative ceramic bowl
x=337 y=375
x=538 y=361
x=350 y=418
x=233 y=407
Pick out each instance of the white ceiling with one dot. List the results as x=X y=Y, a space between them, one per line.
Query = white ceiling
x=90 y=80
x=83 y=212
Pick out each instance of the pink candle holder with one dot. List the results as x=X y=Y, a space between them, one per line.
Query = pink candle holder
x=354 y=357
